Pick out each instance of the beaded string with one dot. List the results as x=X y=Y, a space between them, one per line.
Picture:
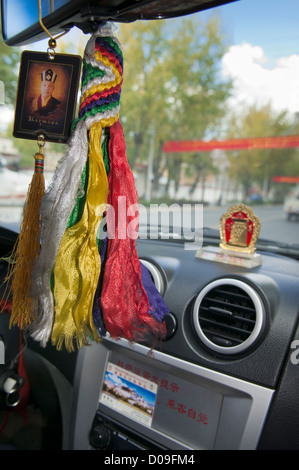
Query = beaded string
x=39 y=163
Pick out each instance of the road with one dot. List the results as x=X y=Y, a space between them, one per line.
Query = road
x=274 y=225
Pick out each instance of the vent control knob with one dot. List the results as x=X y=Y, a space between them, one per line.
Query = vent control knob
x=100 y=437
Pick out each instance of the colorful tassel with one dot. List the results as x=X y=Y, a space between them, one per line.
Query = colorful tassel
x=78 y=261
x=86 y=285
x=27 y=249
x=56 y=208
x=125 y=304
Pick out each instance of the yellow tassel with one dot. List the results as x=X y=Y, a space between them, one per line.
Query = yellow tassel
x=27 y=249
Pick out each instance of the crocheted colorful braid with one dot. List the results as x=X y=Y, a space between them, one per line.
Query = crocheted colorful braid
x=76 y=296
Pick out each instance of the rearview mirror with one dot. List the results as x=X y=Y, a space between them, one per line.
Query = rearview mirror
x=20 y=19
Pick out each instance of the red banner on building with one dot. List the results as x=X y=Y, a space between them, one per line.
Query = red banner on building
x=232 y=144
x=286 y=179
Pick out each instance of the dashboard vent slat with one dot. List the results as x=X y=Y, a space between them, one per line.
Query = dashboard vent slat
x=245 y=307
x=229 y=329
x=228 y=316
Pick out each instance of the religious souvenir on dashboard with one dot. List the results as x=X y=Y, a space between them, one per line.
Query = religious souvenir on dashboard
x=87 y=278
x=239 y=231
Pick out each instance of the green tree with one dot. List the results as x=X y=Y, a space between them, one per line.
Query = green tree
x=143 y=96
x=172 y=87
x=200 y=166
x=258 y=166
x=9 y=68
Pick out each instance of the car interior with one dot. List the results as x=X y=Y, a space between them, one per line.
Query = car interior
x=225 y=374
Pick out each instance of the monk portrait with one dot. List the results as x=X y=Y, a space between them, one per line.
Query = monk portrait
x=46 y=104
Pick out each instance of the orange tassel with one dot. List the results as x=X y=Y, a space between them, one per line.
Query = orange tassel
x=27 y=249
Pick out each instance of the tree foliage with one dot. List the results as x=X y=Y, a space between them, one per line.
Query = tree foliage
x=9 y=68
x=259 y=166
x=172 y=87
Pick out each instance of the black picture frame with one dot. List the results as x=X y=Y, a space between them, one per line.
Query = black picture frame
x=47 y=96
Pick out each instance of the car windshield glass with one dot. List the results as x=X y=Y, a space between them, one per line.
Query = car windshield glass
x=210 y=111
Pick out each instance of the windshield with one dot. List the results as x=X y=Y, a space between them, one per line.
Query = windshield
x=210 y=111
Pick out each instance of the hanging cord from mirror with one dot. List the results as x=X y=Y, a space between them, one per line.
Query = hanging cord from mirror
x=52 y=41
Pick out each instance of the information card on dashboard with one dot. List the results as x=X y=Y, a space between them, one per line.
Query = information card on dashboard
x=129 y=394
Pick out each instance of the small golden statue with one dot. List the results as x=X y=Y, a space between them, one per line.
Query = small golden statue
x=239 y=231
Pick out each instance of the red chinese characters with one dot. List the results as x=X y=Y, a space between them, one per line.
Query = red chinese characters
x=189 y=412
x=172 y=388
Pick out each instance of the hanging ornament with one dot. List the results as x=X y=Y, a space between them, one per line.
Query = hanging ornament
x=45 y=109
x=86 y=285
x=48 y=83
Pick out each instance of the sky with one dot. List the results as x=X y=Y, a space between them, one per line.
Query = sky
x=272 y=24
x=263 y=56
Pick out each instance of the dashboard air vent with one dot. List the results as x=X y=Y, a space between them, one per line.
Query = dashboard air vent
x=228 y=316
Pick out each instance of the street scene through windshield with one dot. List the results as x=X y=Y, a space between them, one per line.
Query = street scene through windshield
x=210 y=111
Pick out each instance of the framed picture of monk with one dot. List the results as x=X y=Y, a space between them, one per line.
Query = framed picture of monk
x=47 y=96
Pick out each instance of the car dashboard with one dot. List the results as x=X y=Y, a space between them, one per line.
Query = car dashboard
x=224 y=377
